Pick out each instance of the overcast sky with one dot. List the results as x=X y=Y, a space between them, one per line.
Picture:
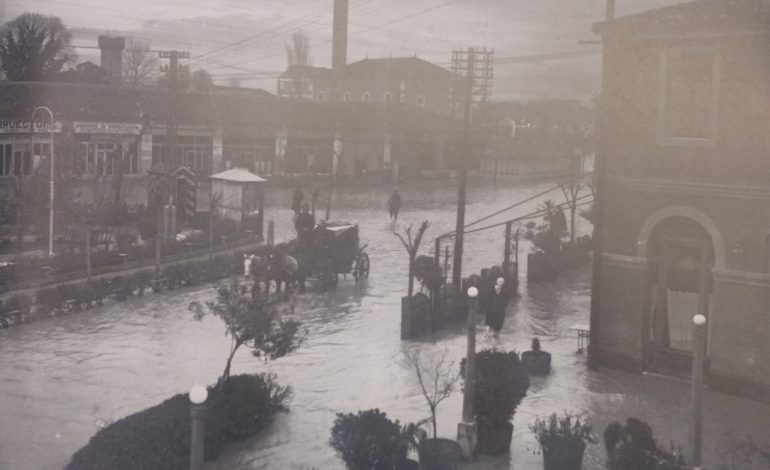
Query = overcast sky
x=245 y=39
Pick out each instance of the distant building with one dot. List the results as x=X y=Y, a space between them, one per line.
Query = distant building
x=126 y=129
x=685 y=138
x=406 y=80
x=538 y=139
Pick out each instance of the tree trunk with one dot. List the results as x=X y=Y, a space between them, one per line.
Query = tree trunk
x=572 y=209
x=211 y=233
x=411 y=273
x=433 y=417
x=19 y=236
x=88 y=255
x=158 y=241
x=226 y=373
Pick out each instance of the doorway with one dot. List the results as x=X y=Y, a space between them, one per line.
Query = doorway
x=679 y=287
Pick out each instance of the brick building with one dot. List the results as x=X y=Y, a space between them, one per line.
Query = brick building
x=685 y=126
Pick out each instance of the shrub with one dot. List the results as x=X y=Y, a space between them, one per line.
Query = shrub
x=562 y=432
x=501 y=384
x=159 y=437
x=368 y=440
x=21 y=302
x=633 y=447
x=47 y=299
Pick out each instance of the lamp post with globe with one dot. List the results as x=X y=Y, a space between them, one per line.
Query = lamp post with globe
x=198 y=396
x=467 y=431
x=699 y=355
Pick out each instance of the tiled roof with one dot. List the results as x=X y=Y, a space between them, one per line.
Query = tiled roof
x=699 y=16
x=307 y=71
x=398 y=68
x=90 y=102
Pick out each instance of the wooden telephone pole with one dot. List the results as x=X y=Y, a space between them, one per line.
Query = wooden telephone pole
x=476 y=87
x=165 y=185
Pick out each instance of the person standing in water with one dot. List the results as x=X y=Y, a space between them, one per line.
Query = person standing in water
x=496 y=308
x=394 y=205
x=296 y=200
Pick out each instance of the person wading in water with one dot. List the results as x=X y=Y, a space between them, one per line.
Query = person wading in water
x=394 y=205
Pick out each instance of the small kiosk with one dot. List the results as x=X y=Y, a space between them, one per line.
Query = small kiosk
x=242 y=198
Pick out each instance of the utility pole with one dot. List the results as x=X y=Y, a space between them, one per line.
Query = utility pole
x=460 y=225
x=166 y=183
x=600 y=170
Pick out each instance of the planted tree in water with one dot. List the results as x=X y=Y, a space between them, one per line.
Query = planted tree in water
x=412 y=245
x=253 y=319
x=437 y=377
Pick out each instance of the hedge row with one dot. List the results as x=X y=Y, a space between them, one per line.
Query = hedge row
x=159 y=437
x=63 y=263
x=67 y=298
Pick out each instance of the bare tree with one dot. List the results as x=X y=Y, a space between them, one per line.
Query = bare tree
x=412 y=245
x=437 y=378
x=298 y=58
x=571 y=190
x=139 y=64
x=201 y=80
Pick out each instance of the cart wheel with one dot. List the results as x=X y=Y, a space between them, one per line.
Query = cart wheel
x=361 y=269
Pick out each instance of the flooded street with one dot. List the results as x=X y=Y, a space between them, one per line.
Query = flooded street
x=64 y=377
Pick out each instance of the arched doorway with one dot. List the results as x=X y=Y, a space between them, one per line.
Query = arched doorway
x=681 y=255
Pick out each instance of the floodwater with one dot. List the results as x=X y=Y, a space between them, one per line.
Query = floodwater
x=64 y=377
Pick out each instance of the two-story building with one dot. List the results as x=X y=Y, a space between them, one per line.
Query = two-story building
x=685 y=144
x=407 y=80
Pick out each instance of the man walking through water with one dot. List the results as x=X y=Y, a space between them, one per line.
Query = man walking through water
x=296 y=200
x=394 y=205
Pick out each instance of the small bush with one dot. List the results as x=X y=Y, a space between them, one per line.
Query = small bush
x=159 y=437
x=633 y=447
x=501 y=383
x=368 y=440
x=562 y=432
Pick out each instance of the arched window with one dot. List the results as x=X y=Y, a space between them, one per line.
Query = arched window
x=420 y=101
x=388 y=97
x=320 y=96
x=346 y=97
x=366 y=98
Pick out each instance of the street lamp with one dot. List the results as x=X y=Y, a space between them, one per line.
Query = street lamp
x=467 y=430
x=198 y=395
x=51 y=197
x=699 y=354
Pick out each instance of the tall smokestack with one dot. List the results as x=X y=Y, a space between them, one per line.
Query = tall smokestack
x=610 y=10
x=112 y=56
x=340 y=35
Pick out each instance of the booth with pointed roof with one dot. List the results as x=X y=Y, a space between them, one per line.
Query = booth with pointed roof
x=242 y=198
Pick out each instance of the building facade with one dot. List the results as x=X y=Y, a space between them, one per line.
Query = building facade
x=685 y=148
x=404 y=80
x=126 y=131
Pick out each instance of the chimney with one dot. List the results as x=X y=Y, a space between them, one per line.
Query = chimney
x=112 y=56
x=340 y=36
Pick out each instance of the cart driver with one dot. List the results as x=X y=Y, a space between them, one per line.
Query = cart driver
x=304 y=223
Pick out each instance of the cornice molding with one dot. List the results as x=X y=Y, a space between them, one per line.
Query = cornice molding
x=657 y=185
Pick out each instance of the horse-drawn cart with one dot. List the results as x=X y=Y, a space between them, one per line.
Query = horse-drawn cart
x=329 y=250
x=320 y=254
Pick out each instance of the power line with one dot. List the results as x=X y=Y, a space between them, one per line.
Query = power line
x=427 y=10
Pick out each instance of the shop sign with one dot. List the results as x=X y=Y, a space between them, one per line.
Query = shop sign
x=20 y=126
x=124 y=128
